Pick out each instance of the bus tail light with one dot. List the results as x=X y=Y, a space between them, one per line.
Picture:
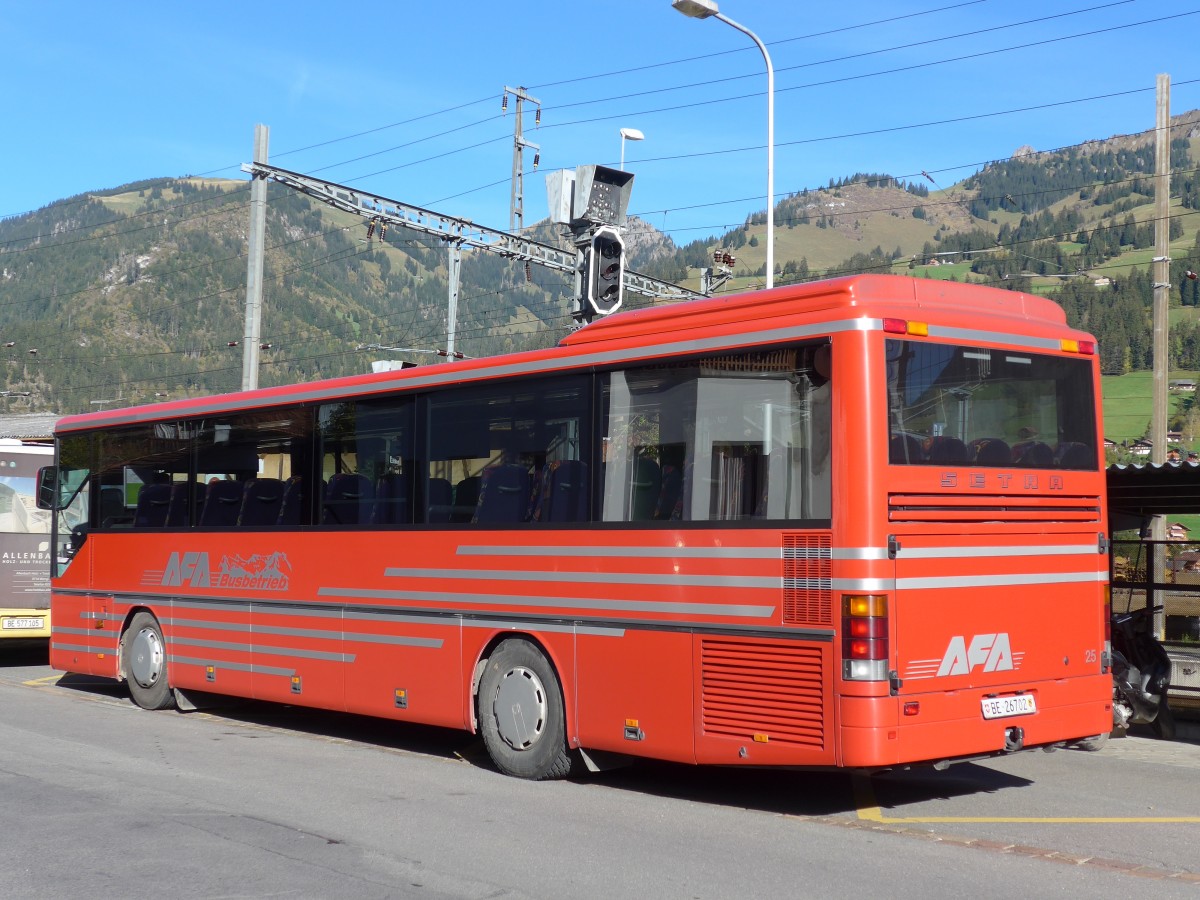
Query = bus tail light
x=1087 y=348
x=864 y=637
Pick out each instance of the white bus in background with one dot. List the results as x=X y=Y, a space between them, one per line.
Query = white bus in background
x=25 y=552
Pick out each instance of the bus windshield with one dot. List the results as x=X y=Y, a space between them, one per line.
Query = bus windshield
x=960 y=405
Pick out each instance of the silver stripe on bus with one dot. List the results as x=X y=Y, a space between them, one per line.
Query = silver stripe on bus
x=567 y=628
x=431 y=642
x=972 y=552
x=237 y=667
x=474 y=599
x=399 y=640
x=859 y=553
x=267 y=649
x=862 y=585
x=62 y=629
x=618 y=552
x=408 y=614
x=635 y=578
x=998 y=580
x=76 y=647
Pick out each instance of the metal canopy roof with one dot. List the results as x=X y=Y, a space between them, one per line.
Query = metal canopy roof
x=1154 y=489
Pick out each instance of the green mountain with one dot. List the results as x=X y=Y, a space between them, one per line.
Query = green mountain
x=137 y=293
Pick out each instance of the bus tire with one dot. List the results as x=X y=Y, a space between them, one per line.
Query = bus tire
x=1092 y=744
x=144 y=659
x=521 y=714
x=1163 y=725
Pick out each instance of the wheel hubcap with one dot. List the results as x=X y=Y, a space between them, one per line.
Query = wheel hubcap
x=146 y=657
x=520 y=708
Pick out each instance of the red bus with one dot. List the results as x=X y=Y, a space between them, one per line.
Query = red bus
x=851 y=523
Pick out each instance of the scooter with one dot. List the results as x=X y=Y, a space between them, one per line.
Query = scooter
x=1141 y=671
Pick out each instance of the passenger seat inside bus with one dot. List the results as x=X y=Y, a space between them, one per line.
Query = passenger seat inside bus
x=112 y=507
x=441 y=499
x=222 y=503
x=563 y=493
x=261 y=502
x=183 y=493
x=292 y=510
x=349 y=499
x=992 y=452
x=905 y=448
x=391 y=500
x=945 y=450
x=503 y=495
x=466 y=499
x=1033 y=454
x=645 y=489
x=153 y=500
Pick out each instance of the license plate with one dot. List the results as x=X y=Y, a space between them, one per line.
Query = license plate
x=1003 y=707
x=29 y=622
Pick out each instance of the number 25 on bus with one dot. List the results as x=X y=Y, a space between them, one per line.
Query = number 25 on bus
x=853 y=523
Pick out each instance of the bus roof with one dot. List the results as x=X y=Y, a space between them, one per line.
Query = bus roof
x=698 y=325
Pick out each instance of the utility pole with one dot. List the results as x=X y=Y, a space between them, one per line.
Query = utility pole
x=254 y=266
x=453 y=278
x=516 y=214
x=1162 y=287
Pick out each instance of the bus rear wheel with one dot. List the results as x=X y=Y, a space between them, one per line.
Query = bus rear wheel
x=521 y=713
x=144 y=657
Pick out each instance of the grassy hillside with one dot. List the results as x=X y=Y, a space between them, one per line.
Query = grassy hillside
x=1127 y=404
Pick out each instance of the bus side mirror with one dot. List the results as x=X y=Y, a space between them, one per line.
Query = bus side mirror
x=47 y=484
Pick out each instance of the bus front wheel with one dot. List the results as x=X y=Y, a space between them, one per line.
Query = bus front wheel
x=145 y=662
x=521 y=713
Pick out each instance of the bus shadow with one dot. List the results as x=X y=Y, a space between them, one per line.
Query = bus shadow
x=778 y=791
x=797 y=793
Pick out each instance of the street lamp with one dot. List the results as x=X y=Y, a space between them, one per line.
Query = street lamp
x=703 y=9
x=630 y=134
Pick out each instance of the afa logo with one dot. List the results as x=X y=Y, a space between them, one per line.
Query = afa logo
x=257 y=572
x=992 y=651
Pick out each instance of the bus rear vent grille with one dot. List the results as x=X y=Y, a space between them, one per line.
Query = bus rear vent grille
x=807 y=585
x=980 y=507
x=762 y=688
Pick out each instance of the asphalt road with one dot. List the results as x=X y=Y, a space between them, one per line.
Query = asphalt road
x=102 y=799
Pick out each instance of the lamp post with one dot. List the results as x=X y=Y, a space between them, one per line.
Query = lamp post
x=703 y=9
x=629 y=134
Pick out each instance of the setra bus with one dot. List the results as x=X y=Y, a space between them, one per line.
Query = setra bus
x=855 y=523
x=24 y=544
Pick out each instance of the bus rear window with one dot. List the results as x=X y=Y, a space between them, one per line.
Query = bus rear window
x=978 y=406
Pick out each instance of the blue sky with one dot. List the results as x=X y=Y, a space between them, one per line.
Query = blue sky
x=403 y=99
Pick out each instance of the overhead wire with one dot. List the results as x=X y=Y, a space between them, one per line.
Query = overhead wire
x=505 y=138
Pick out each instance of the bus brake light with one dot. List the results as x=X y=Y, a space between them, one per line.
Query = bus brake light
x=864 y=637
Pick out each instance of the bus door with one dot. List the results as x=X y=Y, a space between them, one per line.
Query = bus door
x=993 y=620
